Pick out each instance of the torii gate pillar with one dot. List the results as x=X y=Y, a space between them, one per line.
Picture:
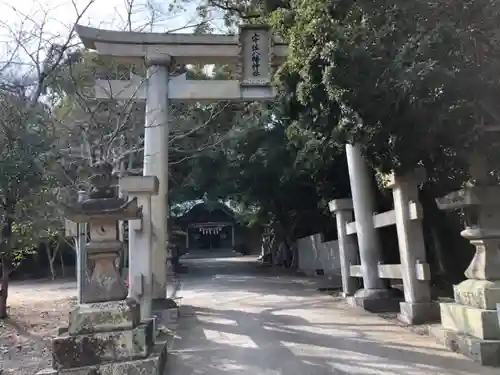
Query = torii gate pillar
x=254 y=54
x=156 y=164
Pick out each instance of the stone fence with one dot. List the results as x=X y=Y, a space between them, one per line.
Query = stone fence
x=471 y=323
x=413 y=269
x=317 y=257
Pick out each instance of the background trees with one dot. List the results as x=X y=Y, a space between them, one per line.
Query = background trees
x=51 y=131
x=413 y=84
x=27 y=135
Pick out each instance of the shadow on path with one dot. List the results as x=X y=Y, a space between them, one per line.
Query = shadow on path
x=237 y=319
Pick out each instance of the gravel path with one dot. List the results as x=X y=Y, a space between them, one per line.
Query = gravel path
x=36 y=309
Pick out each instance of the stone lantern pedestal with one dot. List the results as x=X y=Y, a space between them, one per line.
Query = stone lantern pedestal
x=470 y=325
x=106 y=335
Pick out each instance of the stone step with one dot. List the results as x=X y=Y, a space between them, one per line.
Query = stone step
x=102 y=347
x=485 y=352
x=471 y=321
x=104 y=317
x=154 y=364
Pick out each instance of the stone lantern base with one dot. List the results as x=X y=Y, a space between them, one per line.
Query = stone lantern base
x=107 y=339
x=470 y=325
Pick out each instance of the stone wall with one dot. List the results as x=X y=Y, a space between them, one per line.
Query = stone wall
x=314 y=254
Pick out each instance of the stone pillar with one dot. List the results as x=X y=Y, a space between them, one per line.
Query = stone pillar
x=140 y=278
x=470 y=325
x=348 y=248
x=375 y=296
x=156 y=164
x=417 y=308
x=364 y=207
x=81 y=263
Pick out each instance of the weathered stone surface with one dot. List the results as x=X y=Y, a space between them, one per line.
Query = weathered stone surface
x=484 y=264
x=104 y=316
x=152 y=365
x=105 y=283
x=93 y=349
x=377 y=300
x=166 y=317
x=418 y=313
x=482 y=294
x=478 y=323
x=166 y=311
x=476 y=195
x=485 y=352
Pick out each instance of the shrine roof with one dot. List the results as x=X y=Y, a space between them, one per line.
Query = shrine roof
x=204 y=207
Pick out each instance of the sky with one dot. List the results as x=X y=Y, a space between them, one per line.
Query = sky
x=38 y=23
x=109 y=14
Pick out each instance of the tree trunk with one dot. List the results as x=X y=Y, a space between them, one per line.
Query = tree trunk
x=284 y=233
x=6 y=255
x=295 y=256
x=61 y=258
x=50 y=257
x=4 y=286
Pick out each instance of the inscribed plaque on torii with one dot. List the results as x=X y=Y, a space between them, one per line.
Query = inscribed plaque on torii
x=256 y=55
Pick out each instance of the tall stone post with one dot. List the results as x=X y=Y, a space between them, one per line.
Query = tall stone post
x=156 y=164
x=375 y=295
x=348 y=248
x=140 y=287
x=81 y=263
x=418 y=307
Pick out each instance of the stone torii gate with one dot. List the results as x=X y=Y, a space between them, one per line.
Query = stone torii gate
x=253 y=54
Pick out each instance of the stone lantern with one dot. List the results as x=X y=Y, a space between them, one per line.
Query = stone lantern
x=470 y=325
x=102 y=211
x=106 y=334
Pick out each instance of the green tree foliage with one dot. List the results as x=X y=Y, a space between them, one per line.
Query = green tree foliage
x=27 y=138
x=273 y=171
x=271 y=162
x=114 y=130
x=411 y=82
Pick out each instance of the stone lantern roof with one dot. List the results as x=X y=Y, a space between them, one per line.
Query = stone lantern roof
x=103 y=202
